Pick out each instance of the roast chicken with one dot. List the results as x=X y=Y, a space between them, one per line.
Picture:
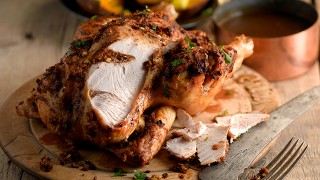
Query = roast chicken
x=120 y=69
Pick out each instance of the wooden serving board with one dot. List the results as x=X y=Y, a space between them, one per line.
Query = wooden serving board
x=26 y=141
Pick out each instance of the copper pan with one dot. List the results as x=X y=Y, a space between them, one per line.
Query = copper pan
x=276 y=58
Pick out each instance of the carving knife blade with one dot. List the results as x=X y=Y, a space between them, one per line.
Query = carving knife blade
x=243 y=151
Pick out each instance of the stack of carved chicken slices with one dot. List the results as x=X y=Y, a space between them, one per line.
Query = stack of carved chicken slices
x=209 y=142
x=119 y=84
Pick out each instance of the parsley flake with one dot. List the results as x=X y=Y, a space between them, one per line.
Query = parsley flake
x=118 y=172
x=188 y=49
x=88 y=61
x=82 y=43
x=226 y=56
x=69 y=52
x=225 y=112
x=165 y=91
x=139 y=176
x=47 y=73
x=190 y=44
x=229 y=92
x=154 y=27
x=177 y=62
x=147 y=8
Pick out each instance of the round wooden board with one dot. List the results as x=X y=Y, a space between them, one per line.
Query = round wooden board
x=26 y=141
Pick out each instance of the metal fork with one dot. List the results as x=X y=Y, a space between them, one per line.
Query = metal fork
x=281 y=165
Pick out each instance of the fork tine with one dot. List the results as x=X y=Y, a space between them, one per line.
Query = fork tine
x=284 y=174
x=280 y=160
x=278 y=170
x=275 y=160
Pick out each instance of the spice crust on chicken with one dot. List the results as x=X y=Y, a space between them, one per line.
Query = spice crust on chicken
x=119 y=69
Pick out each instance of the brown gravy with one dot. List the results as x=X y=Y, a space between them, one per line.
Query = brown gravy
x=265 y=24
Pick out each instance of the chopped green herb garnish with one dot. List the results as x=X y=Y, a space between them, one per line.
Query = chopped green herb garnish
x=165 y=89
x=47 y=73
x=144 y=12
x=154 y=27
x=229 y=92
x=118 y=172
x=139 y=176
x=82 y=43
x=147 y=8
x=226 y=56
x=93 y=17
x=190 y=44
x=189 y=49
x=88 y=61
x=205 y=139
x=207 y=12
x=177 y=62
x=69 y=52
x=225 y=112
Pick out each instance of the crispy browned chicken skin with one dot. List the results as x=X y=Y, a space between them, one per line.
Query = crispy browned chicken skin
x=115 y=69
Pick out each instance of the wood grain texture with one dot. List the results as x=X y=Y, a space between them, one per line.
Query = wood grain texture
x=34 y=34
x=35 y=29
x=307 y=127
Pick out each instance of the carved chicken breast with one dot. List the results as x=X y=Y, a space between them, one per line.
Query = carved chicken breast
x=100 y=88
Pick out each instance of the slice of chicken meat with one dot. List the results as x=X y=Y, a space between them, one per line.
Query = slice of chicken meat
x=190 y=133
x=183 y=120
x=213 y=145
x=241 y=123
x=181 y=148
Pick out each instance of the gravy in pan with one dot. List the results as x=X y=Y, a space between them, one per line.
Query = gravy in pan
x=265 y=24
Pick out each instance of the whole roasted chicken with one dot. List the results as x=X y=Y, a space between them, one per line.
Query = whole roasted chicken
x=119 y=82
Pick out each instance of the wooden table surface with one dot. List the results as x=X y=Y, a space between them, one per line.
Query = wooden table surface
x=34 y=34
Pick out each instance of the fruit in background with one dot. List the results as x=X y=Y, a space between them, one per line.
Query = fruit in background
x=113 y=6
x=148 y=2
x=185 y=8
x=103 y=7
x=192 y=8
x=181 y=4
x=168 y=8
